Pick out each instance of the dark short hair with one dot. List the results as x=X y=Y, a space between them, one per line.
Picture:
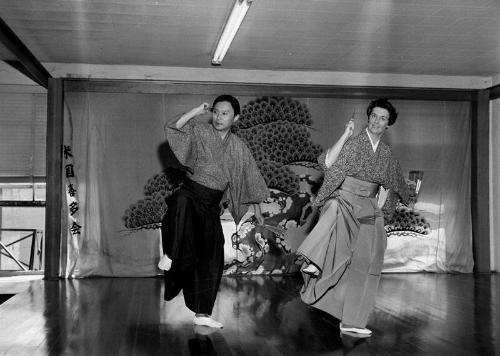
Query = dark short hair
x=231 y=100
x=384 y=104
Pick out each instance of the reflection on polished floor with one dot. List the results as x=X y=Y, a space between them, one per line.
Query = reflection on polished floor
x=416 y=314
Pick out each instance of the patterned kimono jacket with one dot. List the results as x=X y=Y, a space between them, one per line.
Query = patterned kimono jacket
x=358 y=160
x=226 y=165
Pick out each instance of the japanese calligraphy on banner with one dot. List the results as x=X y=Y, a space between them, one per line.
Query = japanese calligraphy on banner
x=71 y=192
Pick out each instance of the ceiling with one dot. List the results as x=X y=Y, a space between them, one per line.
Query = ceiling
x=434 y=37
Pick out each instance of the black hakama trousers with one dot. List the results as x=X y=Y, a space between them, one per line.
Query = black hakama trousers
x=192 y=237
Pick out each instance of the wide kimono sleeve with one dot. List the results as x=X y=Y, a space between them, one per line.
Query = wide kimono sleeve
x=335 y=175
x=182 y=143
x=394 y=180
x=247 y=186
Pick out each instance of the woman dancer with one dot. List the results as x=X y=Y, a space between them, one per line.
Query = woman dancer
x=345 y=250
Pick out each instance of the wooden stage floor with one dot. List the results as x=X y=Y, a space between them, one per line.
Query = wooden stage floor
x=415 y=314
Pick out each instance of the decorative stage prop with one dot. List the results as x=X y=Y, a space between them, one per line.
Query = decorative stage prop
x=121 y=193
x=270 y=249
x=277 y=132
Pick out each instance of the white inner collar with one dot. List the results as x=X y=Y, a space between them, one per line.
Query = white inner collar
x=374 y=145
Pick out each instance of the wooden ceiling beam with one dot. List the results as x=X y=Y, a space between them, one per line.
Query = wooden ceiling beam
x=495 y=92
x=26 y=62
x=295 y=90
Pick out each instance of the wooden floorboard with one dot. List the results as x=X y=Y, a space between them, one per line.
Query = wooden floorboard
x=14 y=284
x=415 y=314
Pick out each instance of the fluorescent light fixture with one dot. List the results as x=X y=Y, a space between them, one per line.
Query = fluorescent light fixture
x=233 y=23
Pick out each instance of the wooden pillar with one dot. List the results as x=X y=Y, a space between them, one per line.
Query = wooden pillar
x=55 y=120
x=480 y=193
x=494 y=92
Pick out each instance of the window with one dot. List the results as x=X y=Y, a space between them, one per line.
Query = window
x=22 y=180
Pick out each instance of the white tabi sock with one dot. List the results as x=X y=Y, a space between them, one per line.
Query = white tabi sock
x=207 y=321
x=165 y=263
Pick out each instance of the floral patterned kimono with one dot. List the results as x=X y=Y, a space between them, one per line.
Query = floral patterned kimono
x=348 y=242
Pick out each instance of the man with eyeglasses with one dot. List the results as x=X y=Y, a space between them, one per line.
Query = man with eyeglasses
x=344 y=252
x=219 y=170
